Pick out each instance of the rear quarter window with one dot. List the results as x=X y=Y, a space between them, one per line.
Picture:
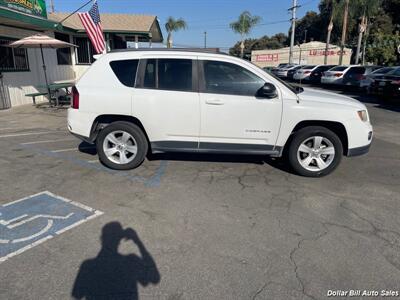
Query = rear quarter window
x=125 y=70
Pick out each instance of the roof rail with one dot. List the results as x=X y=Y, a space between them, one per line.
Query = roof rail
x=203 y=50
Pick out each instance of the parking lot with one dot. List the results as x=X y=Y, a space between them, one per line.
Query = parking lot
x=207 y=226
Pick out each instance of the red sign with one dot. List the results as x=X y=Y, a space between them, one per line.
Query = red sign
x=267 y=57
x=322 y=52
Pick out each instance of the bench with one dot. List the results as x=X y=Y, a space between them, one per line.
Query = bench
x=34 y=95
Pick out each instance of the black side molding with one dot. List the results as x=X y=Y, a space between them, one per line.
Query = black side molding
x=358 y=151
x=226 y=148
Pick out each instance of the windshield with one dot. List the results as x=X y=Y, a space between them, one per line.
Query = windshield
x=340 y=68
x=308 y=67
x=383 y=70
x=394 y=72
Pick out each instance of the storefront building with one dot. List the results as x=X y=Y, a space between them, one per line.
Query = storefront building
x=21 y=70
x=312 y=53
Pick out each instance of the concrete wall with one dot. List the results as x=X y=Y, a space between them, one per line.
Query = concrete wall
x=311 y=53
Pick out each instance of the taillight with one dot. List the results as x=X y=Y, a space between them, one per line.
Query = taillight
x=307 y=72
x=75 y=98
x=338 y=74
x=397 y=82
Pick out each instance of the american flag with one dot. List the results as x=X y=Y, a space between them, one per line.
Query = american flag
x=92 y=24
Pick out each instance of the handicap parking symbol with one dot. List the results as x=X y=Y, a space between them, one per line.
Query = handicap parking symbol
x=27 y=222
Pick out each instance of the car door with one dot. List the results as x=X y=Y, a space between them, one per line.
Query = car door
x=166 y=101
x=233 y=118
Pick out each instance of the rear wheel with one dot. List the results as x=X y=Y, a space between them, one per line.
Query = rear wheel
x=315 y=151
x=121 y=146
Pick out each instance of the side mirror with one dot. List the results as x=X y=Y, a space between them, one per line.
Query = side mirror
x=267 y=91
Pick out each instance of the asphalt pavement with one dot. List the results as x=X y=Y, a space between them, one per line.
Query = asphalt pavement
x=193 y=226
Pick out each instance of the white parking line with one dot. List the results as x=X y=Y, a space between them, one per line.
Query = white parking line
x=47 y=141
x=72 y=149
x=93 y=161
x=24 y=134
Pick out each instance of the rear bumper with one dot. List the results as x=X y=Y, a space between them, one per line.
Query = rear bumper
x=359 y=150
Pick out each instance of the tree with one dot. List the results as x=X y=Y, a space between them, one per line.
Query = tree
x=369 y=9
x=382 y=49
x=173 y=25
x=276 y=41
x=331 y=5
x=243 y=26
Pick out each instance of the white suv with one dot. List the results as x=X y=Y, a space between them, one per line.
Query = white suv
x=132 y=102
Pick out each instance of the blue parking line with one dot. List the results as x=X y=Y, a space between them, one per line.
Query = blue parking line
x=153 y=181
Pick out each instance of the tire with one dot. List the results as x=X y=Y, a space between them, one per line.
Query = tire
x=307 y=159
x=121 y=146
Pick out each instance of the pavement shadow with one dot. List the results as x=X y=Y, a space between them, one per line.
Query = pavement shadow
x=87 y=148
x=206 y=157
x=111 y=275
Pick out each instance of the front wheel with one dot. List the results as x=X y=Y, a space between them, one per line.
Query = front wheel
x=315 y=151
x=121 y=146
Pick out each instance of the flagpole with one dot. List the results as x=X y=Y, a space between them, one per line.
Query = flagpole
x=74 y=12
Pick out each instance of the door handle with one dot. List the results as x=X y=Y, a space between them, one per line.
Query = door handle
x=215 y=102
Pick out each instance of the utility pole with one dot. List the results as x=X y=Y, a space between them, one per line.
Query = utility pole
x=344 y=31
x=205 y=39
x=293 y=19
x=52 y=6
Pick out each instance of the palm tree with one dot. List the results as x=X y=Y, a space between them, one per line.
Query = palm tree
x=369 y=8
x=173 y=25
x=331 y=6
x=243 y=27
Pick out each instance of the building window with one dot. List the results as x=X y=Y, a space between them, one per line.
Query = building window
x=85 y=51
x=12 y=59
x=63 y=54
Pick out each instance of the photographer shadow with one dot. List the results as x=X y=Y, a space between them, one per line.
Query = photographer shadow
x=111 y=275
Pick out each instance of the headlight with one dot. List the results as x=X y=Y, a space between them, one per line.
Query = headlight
x=363 y=115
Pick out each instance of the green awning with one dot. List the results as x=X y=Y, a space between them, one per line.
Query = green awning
x=13 y=18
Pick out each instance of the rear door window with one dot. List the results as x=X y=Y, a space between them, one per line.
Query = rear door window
x=125 y=70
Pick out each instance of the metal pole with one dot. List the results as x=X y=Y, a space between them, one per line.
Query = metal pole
x=45 y=74
x=52 y=6
x=205 y=39
x=293 y=9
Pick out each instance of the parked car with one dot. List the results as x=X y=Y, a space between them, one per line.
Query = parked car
x=133 y=102
x=387 y=85
x=274 y=70
x=282 y=72
x=267 y=69
x=366 y=82
x=304 y=72
x=316 y=74
x=356 y=74
x=290 y=73
x=334 y=75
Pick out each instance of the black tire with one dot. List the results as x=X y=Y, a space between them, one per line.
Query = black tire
x=141 y=143
x=302 y=135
